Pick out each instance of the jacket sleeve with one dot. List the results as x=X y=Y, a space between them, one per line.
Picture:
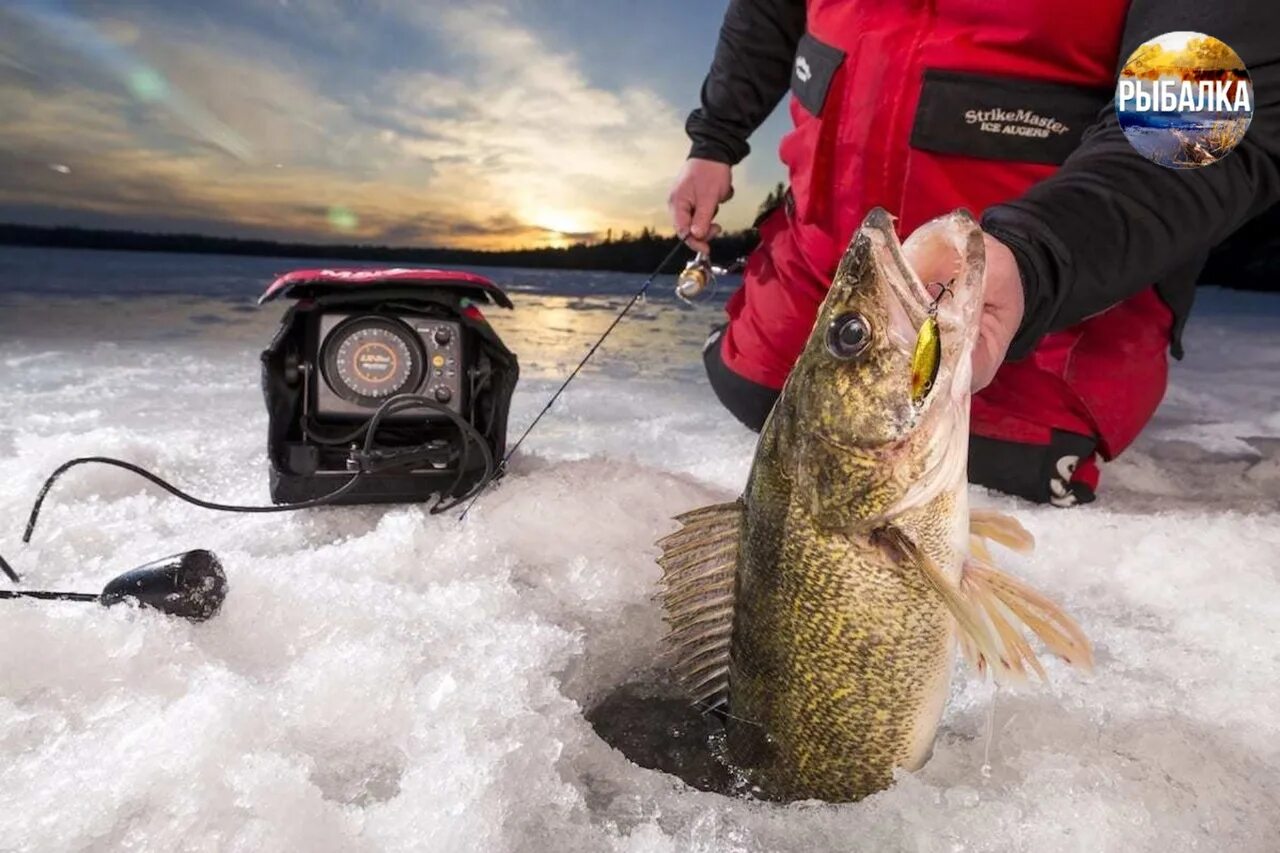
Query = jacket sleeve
x=749 y=75
x=1110 y=223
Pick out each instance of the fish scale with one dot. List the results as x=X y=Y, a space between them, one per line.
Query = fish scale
x=849 y=631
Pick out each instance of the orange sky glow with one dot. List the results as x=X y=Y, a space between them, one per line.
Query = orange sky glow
x=496 y=134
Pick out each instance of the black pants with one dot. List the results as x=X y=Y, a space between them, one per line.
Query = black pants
x=1025 y=470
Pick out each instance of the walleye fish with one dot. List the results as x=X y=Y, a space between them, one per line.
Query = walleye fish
x=823 y=609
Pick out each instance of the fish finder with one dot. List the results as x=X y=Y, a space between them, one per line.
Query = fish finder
x=382 y=386
x=364 y=359
x=394 y=374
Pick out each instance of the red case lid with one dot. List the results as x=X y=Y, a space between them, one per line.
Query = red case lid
x=293 y=285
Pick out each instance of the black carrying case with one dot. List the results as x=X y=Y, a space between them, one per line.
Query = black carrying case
x=303 y=470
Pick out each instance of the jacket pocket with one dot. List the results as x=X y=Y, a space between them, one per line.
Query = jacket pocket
x=812 y=72
x=1003 y=118
x=818 y=83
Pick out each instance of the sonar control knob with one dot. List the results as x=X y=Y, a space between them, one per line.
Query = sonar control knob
x=443 y=336
x=443 y=394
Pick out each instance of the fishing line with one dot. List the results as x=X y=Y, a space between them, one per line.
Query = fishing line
x=639 y=294
x=990 y=734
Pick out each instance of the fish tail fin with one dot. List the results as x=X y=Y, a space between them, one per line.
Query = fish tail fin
x=699 y=565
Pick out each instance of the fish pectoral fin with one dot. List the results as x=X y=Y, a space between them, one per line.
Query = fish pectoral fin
x=976 y=638
x=988 y=525
x=699 y=566
x=1008 y=604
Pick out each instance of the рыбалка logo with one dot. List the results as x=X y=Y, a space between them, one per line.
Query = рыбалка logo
x=1184 y=100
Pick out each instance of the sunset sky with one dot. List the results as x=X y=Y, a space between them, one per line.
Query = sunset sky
x=408 y=122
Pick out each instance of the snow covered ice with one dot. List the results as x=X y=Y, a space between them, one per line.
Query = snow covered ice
x=380 y=679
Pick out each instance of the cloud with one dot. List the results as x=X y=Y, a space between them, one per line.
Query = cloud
x=519 y=125
x=487 y=136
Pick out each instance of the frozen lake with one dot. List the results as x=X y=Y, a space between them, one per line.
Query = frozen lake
x=385 y=680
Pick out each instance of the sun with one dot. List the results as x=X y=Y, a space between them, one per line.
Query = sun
x=562 y=221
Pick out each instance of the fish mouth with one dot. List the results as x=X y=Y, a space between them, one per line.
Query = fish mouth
x=909 y=293
x=936 y=272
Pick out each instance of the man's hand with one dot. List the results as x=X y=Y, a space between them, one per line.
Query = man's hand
x=1002 y=311
x=697 y=194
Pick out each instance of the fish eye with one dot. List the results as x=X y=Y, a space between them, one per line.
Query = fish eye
x=848 y=336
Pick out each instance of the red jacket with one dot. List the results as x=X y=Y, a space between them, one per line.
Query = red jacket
x=922 y=108
x=909 y=104
x=917 y=79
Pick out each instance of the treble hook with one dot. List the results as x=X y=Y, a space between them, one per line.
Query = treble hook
x=947 y=289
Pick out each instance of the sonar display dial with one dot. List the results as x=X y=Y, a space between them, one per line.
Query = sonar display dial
x=368 y=359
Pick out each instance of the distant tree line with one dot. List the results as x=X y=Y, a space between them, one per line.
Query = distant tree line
x=627 y=253
x=1249 y=260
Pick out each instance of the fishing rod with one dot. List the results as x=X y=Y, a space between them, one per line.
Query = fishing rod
x=626 y=309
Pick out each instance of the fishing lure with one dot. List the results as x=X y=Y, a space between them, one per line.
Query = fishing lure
x=927 y=356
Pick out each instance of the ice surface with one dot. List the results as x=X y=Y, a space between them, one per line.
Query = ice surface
x=384 y=680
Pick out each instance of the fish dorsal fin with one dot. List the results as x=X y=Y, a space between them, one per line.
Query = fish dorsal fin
x=699 y=563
